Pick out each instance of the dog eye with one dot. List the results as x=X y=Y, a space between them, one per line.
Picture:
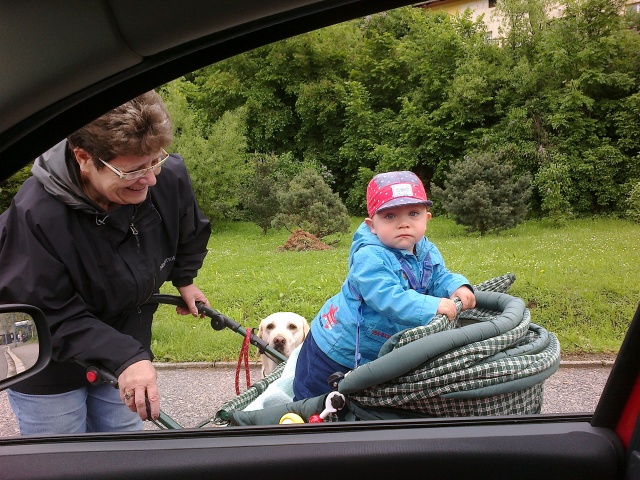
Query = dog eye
x=293 y=326
x=271 y=326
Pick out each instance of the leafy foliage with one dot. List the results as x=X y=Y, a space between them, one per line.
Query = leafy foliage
x=11 y=185
x=633 y=203
x=483 y=194
x=215 y=155
x=415 y=90
x=357 y=200
x=557 y=97
x=410 y=89
x=552 y=181
x=259 y=199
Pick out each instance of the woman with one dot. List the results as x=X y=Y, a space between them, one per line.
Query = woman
x=108 y=216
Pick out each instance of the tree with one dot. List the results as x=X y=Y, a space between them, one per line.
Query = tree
x=552 y=182
x=214 y=154
x=483 y=193
x=415 y=90
x=309 y=204
x=357 y=200
x=633 y=202
x=260 y=201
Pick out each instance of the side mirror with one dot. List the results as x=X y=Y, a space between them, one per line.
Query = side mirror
x=25 y=343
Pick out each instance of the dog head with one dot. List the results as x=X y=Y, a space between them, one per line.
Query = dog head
x=283 y=331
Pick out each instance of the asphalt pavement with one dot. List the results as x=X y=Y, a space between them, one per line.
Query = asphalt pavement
x=191 y=393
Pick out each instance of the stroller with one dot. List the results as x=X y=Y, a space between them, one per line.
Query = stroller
x=492 y=361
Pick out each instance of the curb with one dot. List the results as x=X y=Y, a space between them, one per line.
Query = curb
x=586 y=364
x=256 y=364
x=186 y=365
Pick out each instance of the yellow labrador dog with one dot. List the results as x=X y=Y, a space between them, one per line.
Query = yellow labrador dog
x=283 y=331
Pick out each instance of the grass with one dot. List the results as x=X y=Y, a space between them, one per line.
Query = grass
x=579 y=281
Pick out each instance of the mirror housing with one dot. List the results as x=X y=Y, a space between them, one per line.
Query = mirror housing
x=25 y=343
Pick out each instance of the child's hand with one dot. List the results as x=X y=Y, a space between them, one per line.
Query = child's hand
x=466 y=296
x=447 y=307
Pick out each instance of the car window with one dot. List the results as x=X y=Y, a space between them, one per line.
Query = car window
x=421 y=90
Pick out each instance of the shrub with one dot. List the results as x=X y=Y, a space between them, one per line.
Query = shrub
x=309 y=204
x=259 y=198
x=484 y=194
x=11 y=185
x=633 y=202
x=356 y=202
x=552 y=180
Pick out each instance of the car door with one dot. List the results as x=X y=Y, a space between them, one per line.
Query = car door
x=67 y=62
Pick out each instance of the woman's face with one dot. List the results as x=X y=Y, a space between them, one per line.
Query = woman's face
x=107 y=189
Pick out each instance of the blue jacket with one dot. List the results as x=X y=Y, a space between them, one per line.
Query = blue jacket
x=376 y=300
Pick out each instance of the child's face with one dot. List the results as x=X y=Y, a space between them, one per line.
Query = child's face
x=400 y=227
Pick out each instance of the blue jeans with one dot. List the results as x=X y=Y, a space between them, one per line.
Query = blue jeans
x=95 y=408
x=313 y=369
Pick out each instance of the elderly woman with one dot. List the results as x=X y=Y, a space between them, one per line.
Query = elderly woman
x=107 y=217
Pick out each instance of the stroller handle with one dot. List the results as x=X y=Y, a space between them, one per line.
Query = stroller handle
x=220 y=321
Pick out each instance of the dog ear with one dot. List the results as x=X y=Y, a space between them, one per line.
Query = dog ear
x=261 y=330
x=305 y=329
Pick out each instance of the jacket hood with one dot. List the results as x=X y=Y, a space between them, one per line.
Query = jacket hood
x=362 y=237
x=60 y=176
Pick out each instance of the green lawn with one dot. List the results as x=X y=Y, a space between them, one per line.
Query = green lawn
x=580 y=281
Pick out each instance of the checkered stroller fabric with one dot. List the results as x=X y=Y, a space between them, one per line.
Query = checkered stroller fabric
x=499 y=375
x=502 y=375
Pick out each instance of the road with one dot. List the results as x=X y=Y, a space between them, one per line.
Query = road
x=194 y=394
x=15 y=357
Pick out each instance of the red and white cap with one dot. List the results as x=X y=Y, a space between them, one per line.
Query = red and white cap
x=391 y=189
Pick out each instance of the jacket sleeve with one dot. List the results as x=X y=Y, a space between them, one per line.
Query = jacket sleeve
x=195 y=230
x=33 y=273
x=444 y=282
x=373 y=275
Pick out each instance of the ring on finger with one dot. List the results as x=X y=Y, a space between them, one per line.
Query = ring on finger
x=129 y=395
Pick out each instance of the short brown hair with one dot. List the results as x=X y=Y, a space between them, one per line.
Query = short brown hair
x=138 y=127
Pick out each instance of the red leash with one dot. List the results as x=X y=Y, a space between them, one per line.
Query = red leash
x=244 y=355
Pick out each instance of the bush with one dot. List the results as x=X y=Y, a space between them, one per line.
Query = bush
x=484 y=194
x=309 y=204
x=552 y=181
x=356 y=202
x=633 y=202
x=213 y=153
x=259 y=198
x=11 y=185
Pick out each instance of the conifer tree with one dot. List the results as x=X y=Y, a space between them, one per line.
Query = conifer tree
x=309 y=204
x=484 y=194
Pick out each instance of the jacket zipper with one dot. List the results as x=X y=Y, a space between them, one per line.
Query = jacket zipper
x=134 y=230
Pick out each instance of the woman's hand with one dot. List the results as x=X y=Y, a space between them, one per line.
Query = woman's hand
x=191 y=294
x=137 y=383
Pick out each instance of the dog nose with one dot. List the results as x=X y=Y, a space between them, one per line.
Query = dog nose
x=279 y=343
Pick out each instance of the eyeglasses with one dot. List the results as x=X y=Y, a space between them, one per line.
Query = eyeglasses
x=139 y=173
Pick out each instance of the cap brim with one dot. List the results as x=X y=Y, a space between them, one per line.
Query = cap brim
x=396 y=202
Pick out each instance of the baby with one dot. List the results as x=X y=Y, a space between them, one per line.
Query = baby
x=397 y=280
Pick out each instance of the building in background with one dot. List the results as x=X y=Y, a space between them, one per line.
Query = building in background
x=487 y=8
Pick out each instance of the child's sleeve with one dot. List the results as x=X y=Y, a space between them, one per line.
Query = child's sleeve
x=376 y=280
x=443 y=282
